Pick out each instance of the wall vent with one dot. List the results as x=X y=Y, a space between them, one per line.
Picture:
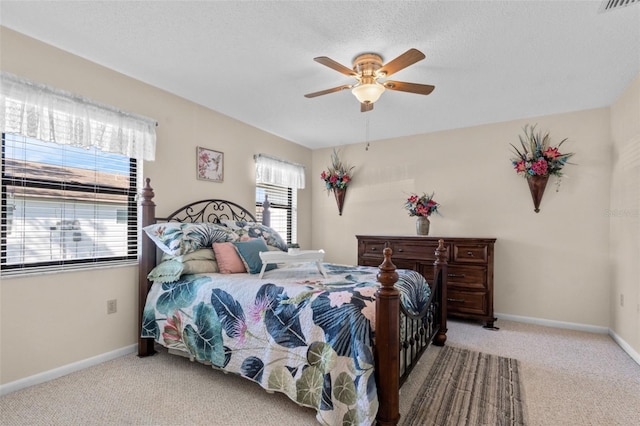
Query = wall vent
x=608 y=5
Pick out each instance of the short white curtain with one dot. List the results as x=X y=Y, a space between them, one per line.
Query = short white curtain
x=273 y=171
x=41 y=112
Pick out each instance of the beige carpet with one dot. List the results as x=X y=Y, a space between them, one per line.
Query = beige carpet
x=469 y=388
x=570 y=378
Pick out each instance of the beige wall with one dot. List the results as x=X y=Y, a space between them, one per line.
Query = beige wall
x=569 y=263
x=53 y=320
x=624 y=217
x=552 y=265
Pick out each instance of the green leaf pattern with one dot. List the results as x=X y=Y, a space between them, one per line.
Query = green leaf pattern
x=344 y=390
x=204 y=337
x=322 y=355
x=282 y=380
x=310 y=371
x=309 y=387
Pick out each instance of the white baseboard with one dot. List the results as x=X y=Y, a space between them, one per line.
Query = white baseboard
x=575 y=326
x=555 y=324
x=625 y=346
x=65 y=369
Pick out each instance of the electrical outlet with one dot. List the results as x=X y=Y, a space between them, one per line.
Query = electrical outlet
x=622 y=300
x=112 y=306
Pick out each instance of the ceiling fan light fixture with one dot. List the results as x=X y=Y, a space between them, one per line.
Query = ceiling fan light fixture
x=367 y=70
x=368 y=93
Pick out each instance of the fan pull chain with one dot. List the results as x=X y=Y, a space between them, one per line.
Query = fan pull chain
x=366 y=137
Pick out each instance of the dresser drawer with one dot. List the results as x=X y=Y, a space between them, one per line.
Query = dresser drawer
x=411 y=250
x=470 y=253
x=472 y=277
x=369 y=261
x=466 y=302
x=406 y=264
x=375 y=262
x=422 y=250
x=372 y=250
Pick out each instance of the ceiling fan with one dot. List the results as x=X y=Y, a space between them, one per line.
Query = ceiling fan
x=368 y=69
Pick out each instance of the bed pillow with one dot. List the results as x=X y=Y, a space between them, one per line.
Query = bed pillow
x=257 y=230
x=166 y=272
x=249 y=252
x=177 y=239
x=200 y=254
x=199 y=266
x=202 y=261
x=228 y=259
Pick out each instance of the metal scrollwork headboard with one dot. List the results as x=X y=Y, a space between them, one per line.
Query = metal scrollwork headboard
x=213 y=211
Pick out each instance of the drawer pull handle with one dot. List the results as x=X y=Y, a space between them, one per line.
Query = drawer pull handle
x=373 y=249
x=400 y=250
x=456 y=275
x=455 y=300
x=470 y=253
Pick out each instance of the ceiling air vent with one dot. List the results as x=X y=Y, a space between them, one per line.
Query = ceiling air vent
x=608 y=5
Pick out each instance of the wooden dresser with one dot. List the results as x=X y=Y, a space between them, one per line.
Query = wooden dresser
x=470 y=270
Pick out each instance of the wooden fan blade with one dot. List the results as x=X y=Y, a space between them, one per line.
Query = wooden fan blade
x=421 y=89
x=326 y=92
x=409 y=57
x=366 y=107
x=335 y=65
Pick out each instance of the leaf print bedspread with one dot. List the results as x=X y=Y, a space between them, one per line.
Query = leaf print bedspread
x=293 y=331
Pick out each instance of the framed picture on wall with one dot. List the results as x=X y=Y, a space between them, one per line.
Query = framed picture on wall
x=210 y=164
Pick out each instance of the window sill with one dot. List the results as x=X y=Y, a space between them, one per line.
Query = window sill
x=22 y=273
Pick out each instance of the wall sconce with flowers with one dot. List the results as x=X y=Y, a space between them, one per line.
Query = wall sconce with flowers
x=537 y=160
x=337 y=178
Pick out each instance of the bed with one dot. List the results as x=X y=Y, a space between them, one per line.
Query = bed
x=342 y=345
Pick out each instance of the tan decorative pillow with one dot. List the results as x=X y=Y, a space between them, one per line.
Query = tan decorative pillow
x=200 y=266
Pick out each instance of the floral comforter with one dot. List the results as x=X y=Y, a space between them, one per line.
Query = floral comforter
x=293 y=331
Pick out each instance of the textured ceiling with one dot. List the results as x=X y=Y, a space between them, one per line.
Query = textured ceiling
x=490 y=61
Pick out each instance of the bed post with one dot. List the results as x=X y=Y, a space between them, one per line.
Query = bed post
x=440 y=268
x=387 y=343
x=146 y=262
x=266 y=213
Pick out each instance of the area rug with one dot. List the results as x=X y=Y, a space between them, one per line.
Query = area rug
x=469 y=388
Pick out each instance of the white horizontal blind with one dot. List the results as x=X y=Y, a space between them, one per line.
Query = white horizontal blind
x=65 y=207
x=283 y=207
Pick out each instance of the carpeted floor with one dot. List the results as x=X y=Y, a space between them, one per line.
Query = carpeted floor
x=569 y=378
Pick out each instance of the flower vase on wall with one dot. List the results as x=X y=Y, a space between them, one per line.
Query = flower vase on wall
x=340 y=193
x=537 y=184
x=422 y=225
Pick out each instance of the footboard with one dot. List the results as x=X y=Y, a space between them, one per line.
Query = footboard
x=402 y=337
x=418 y=331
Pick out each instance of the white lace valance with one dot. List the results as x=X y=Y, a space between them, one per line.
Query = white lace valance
x=41 y=112
x=274 y=171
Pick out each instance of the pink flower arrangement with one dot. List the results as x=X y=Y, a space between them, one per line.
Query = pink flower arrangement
x=338 y=175
x=422 y=205
x=537 y=158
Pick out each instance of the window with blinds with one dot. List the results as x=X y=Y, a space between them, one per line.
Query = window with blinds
x=65 y=207
x=283 y=209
